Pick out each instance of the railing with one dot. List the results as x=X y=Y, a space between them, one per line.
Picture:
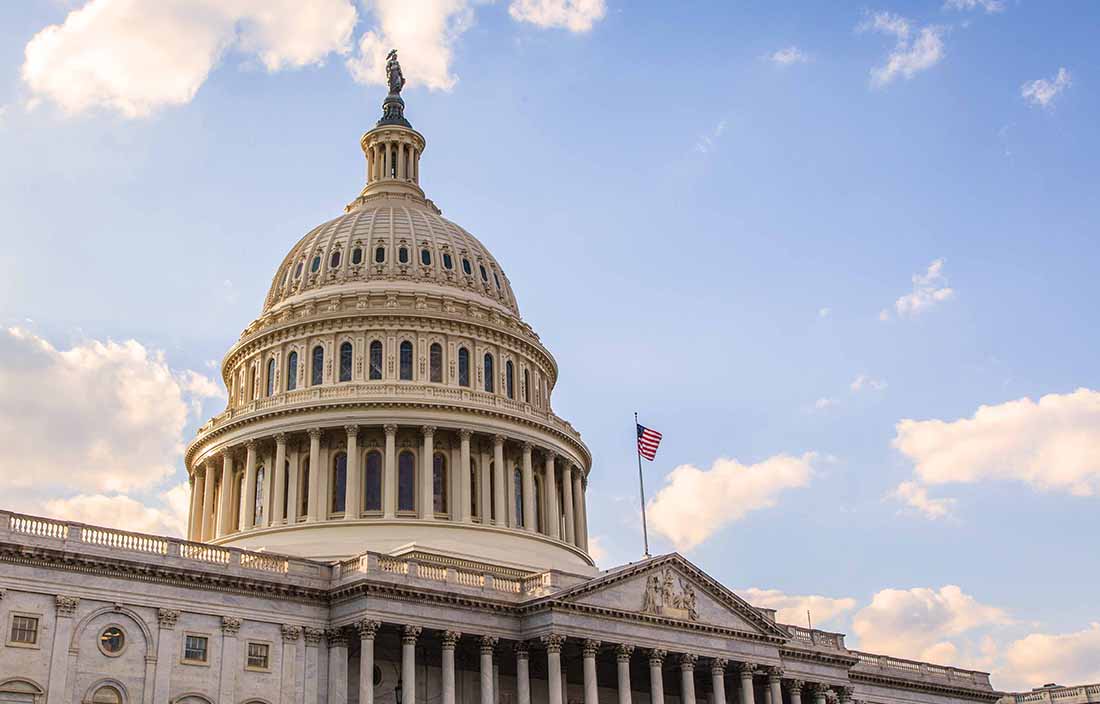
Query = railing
x=267 y=563
x=461 y=576
x=394 y=565
x=922 y=670
x=124 y=541
x=469 y=579
x=822 y=639
x=41 y=527
x=205 y=553
x=1079 y=695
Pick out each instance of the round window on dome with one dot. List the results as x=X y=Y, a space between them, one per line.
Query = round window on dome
x=403 y=255
x=357 y=256
x=112 y=640
x=379 y=255
x=426 y=257
x=448 y=263
x=315 y=265
x=466 y=267
x=334 y=260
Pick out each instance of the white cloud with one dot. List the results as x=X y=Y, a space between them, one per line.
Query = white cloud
x=125 y=513
x=862 y=382
x=696 y=503
x=1068 y=658
x=925 y=624
x=596 y=549
x=136 y=56
x=915 y=48
x=929 y=290
x=792 y=608
x=824 y=312
x=574 y=15
x=789 y=56
x=824 y=403
x=916 y=497
x=1052 y=445
x=99 y=417
x=990 y=6
x=707 y=141
x=1042 y=92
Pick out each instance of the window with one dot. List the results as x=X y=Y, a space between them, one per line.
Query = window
x=526 y=386
x=258 y=656
x=406 y=481
x=271 y=377
x=286 y=488
x=259 y=507
x=317 y=374
x=509 y=373
x=315 y=265
x=339 y=482
x=435 y=357
x=195 y=648
x=107 y=695
x=463 y=366
x=426 y=257
x=21 y=692
x=357 y=256
x=292 y=371
x=372 y=484
x=496 y=278
x=491 y=508
x=466 y=267
x=489 y=386
x=252 y=382
x=403 y=255
x=24 y=630
x=334 y=260
x=376 y=359
x=345 y=361
x=112 y=640
x=439 y=483
x=517 y=481
x=448 y=263
x=406 y=360
x=484 y=275
x=298 y=270
x=303 y=491
x=379 y=255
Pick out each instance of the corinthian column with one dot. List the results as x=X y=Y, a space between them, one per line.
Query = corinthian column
x=775 y=684
x=208 y=501
x=746 y=669
x=488 y=643
x=550 y=483
x=389 y=486
x=498 y=481
x=316 y=503
x=687 y=678
x=718 y=680
x=337 y=666
x=466 y=490
x=198 y=483
x=567 y=501
x=427 y=509
x=248 y=520
x=354 y=493
x=225 y=501
x=794 y=689
x=622 y=660
x=408 y=664
x=591 y=687
x=656 y=677
x=529 y=522
x=450 y=639
x=553 y=643
x=367 y=630
x=277 y=482
x=523 y=674
x=59 y=653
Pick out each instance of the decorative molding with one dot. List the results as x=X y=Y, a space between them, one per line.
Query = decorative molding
x=775 y=674
x=521 y=649
x=718 y=666
x=336 y=637
x=450 y=639
x=623 y=651
x=687 y=661
x=660 y=597
x=488 y=643
x=794 y=686
x=66 y=605
x=657 y=656
x=167 y=618
x=231 y=625
x=313 y=636
x=367 y=628
x=291 y=633
x=746 y=668
x=411 y=634
x=552 y=642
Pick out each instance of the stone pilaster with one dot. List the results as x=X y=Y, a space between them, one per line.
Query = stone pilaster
x=289 y=683
x=337 y=639
x=311 y=675
x=227 y=678
x=59 y=649
x=367 y=631
x=408 y=664
x=523 y=674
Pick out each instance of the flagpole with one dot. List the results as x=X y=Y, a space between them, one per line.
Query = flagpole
x=641 y=485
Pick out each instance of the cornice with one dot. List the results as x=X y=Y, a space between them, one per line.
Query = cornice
x=819 y=656
x=981 y=695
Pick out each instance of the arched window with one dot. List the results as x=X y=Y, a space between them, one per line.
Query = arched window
x=286 y=489
x=491 y=509
x=372 y=484
x=426 y=257
x=292 y=371
x=379 y=255
x=439 y=483
x=403 y=255
x=315 y=265
x=345 y=361
x=339 y=482
x=496 y=278
x=526 y=386
x=484 y=274
x=357 y=256
x=463 y=366
x=489 y=385
x=251 y=382
x=303 y=491
x=406 y=481
x=448 y=262
x=21 y=692
x=298 y=270
x=376 y=359
x=517 y=481
x=435 y=362
x=107 y=695
x=270 y=376
x=466 y=267
x=334 y=260
x=509 y=379
x=258 y=508
x=406 y=360
x=317 y=374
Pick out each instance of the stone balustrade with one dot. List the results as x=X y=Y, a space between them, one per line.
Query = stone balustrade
x=1083 y=694
x=912 y=669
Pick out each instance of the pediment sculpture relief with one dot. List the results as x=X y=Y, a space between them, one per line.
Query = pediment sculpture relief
x=662 y=598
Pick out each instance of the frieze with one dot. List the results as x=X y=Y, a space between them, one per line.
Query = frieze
x=662 y=598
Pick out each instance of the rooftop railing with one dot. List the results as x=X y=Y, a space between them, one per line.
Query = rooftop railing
x=920 y=670
x=412 y=570
x=1082 y=694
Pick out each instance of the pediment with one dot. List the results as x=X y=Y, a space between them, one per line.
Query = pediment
x=671 y=588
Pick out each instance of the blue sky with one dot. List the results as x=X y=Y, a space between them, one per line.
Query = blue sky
x=721 y=215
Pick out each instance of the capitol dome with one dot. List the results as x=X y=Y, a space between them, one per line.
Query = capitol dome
x=389 y=397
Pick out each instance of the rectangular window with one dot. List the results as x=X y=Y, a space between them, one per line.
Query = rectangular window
x=258 y=656
x=195 y=648
x=24 y=630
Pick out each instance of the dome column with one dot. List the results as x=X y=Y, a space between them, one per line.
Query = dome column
x=498 y=480
x=580 y=517
x=550 y=482
x=528 y=490
x=567 y=500
x=427 y=509
x=316 y=503
x=354 y=492
x=293 y=480
x=225 y=499
x=277 y=480
x=389 y=486
x=208 y=502
x=248 y=518
x=465 y=491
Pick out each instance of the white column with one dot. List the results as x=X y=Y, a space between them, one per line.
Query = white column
x=498 y=480
x=488 y=643
x=775 y=685
x=567 y=499
x=166 y=652
x=227 y=683
x=821 y=693
x=288 y=683
x=484 y=472
x=466 y=490
x=746 y=669
x=198 y=490
x=718 y=680
x=354 y=493
x=591 y=686
x=523 y=675
x=687 y=678
x=208 y=501
x=225 y=503
x=248 y=519
x=367 y=630
x=794 y=689
x=450 y=639
x=622 y=660
x=408 y=664
x=529 y=522
x=337 y=666
x=389 y=484
x=580 y=521
x=316 y=503
x=553 y=666
x=656 y=677
x=292 y=500
x=311 y=677
x=550 y=484
x=277 y=473
x=59 y=649
x=400 y=161
x=427 y=451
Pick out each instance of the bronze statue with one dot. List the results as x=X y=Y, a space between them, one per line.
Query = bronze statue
x=394 y=76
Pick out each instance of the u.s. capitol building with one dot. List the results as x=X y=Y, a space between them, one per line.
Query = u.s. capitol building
x=388 y=511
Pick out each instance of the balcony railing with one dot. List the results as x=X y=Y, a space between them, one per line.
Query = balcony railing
x=911 y=669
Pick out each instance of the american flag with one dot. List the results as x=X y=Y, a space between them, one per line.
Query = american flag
x=648 y=440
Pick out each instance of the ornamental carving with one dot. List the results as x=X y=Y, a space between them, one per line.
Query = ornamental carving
x=450 y=639
x=231 y=625
x=367 y=628
x=590 y=648
x=291 y=633
x=662 y=598
x=488 y=644
x=337 y=638
x=66 y=605
x=313 y=635
x=167 y=618
x=552 y=642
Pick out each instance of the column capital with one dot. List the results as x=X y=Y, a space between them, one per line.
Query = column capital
x=590 y=648
x=552 y=642
x=746 y=669
x=844 y=692
x=367 y=628
x=521 y=649
x=794 y=686
x=527 y=447
x=551 y=454
x=336 y=637
x=166 y=618
x=291 y=633
x=488 y=643
x=312 y=635
x=450 y=639
x=718 y=666
x=351 y=429
x=775 y=674
x=250 y=445
x=314 y=433
x=427 y=430
x=687 y=661
x=280 y=438
x=390 y=429
x=498 y=440
x=464 y=434
x=623 y=651
x=66 y=605
x=818 y=688
x=231 y=625
x=657 y=656
x=411 y=634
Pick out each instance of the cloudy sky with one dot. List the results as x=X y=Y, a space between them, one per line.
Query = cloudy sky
x=843 y=255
